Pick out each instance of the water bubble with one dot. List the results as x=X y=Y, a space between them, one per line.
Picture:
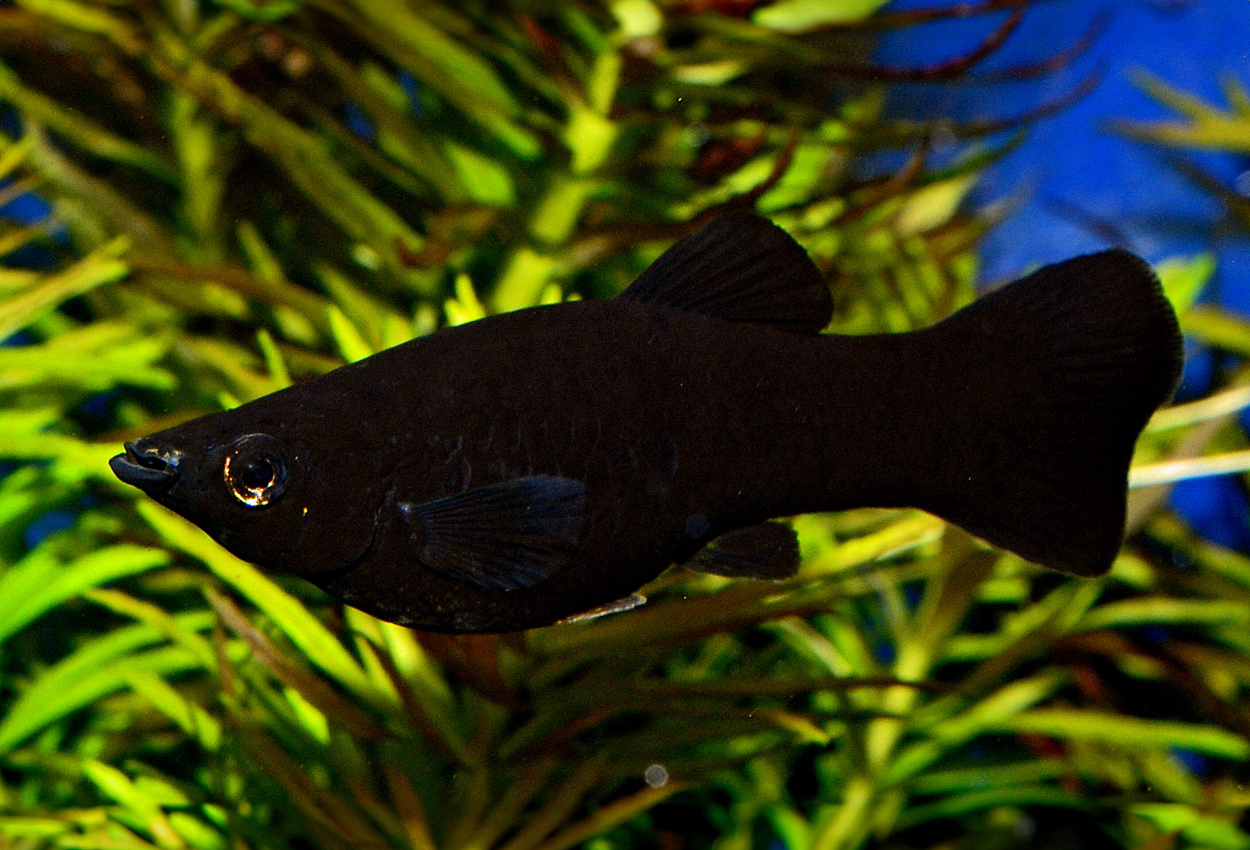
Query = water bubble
x=655 y=775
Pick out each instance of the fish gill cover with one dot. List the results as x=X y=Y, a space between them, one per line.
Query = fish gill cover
x=242 y=195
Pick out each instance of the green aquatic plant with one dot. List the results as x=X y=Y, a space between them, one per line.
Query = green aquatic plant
x=247 y=193
x=1218 y=448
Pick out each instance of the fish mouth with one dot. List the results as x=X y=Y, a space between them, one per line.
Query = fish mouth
x=147 y=467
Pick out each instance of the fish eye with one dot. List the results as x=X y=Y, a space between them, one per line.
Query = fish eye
x=254 y=470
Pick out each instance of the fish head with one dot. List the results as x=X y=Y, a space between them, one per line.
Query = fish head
x=265 y=490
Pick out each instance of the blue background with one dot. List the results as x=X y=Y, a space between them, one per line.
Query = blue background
x=1074 y=179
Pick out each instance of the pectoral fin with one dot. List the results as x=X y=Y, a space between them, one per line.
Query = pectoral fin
x=765 y=551
x=505 y=536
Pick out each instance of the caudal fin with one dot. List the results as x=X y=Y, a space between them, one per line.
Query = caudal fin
x=1056 y=376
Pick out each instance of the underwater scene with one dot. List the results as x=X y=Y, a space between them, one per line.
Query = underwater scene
x=640 y=424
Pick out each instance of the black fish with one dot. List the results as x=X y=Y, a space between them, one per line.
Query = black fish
x=523 y=468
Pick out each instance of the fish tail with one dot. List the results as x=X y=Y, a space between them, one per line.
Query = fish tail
x=1055 y=377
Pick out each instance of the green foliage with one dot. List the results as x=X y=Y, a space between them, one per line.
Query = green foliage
x=221 y=226
x=1206 y=127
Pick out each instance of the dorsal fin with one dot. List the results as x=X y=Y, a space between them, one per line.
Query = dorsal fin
x=742 y=268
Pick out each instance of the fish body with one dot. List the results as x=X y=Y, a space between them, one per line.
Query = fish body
x=517 y=470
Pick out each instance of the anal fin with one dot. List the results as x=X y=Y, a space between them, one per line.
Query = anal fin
x=768 y=550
